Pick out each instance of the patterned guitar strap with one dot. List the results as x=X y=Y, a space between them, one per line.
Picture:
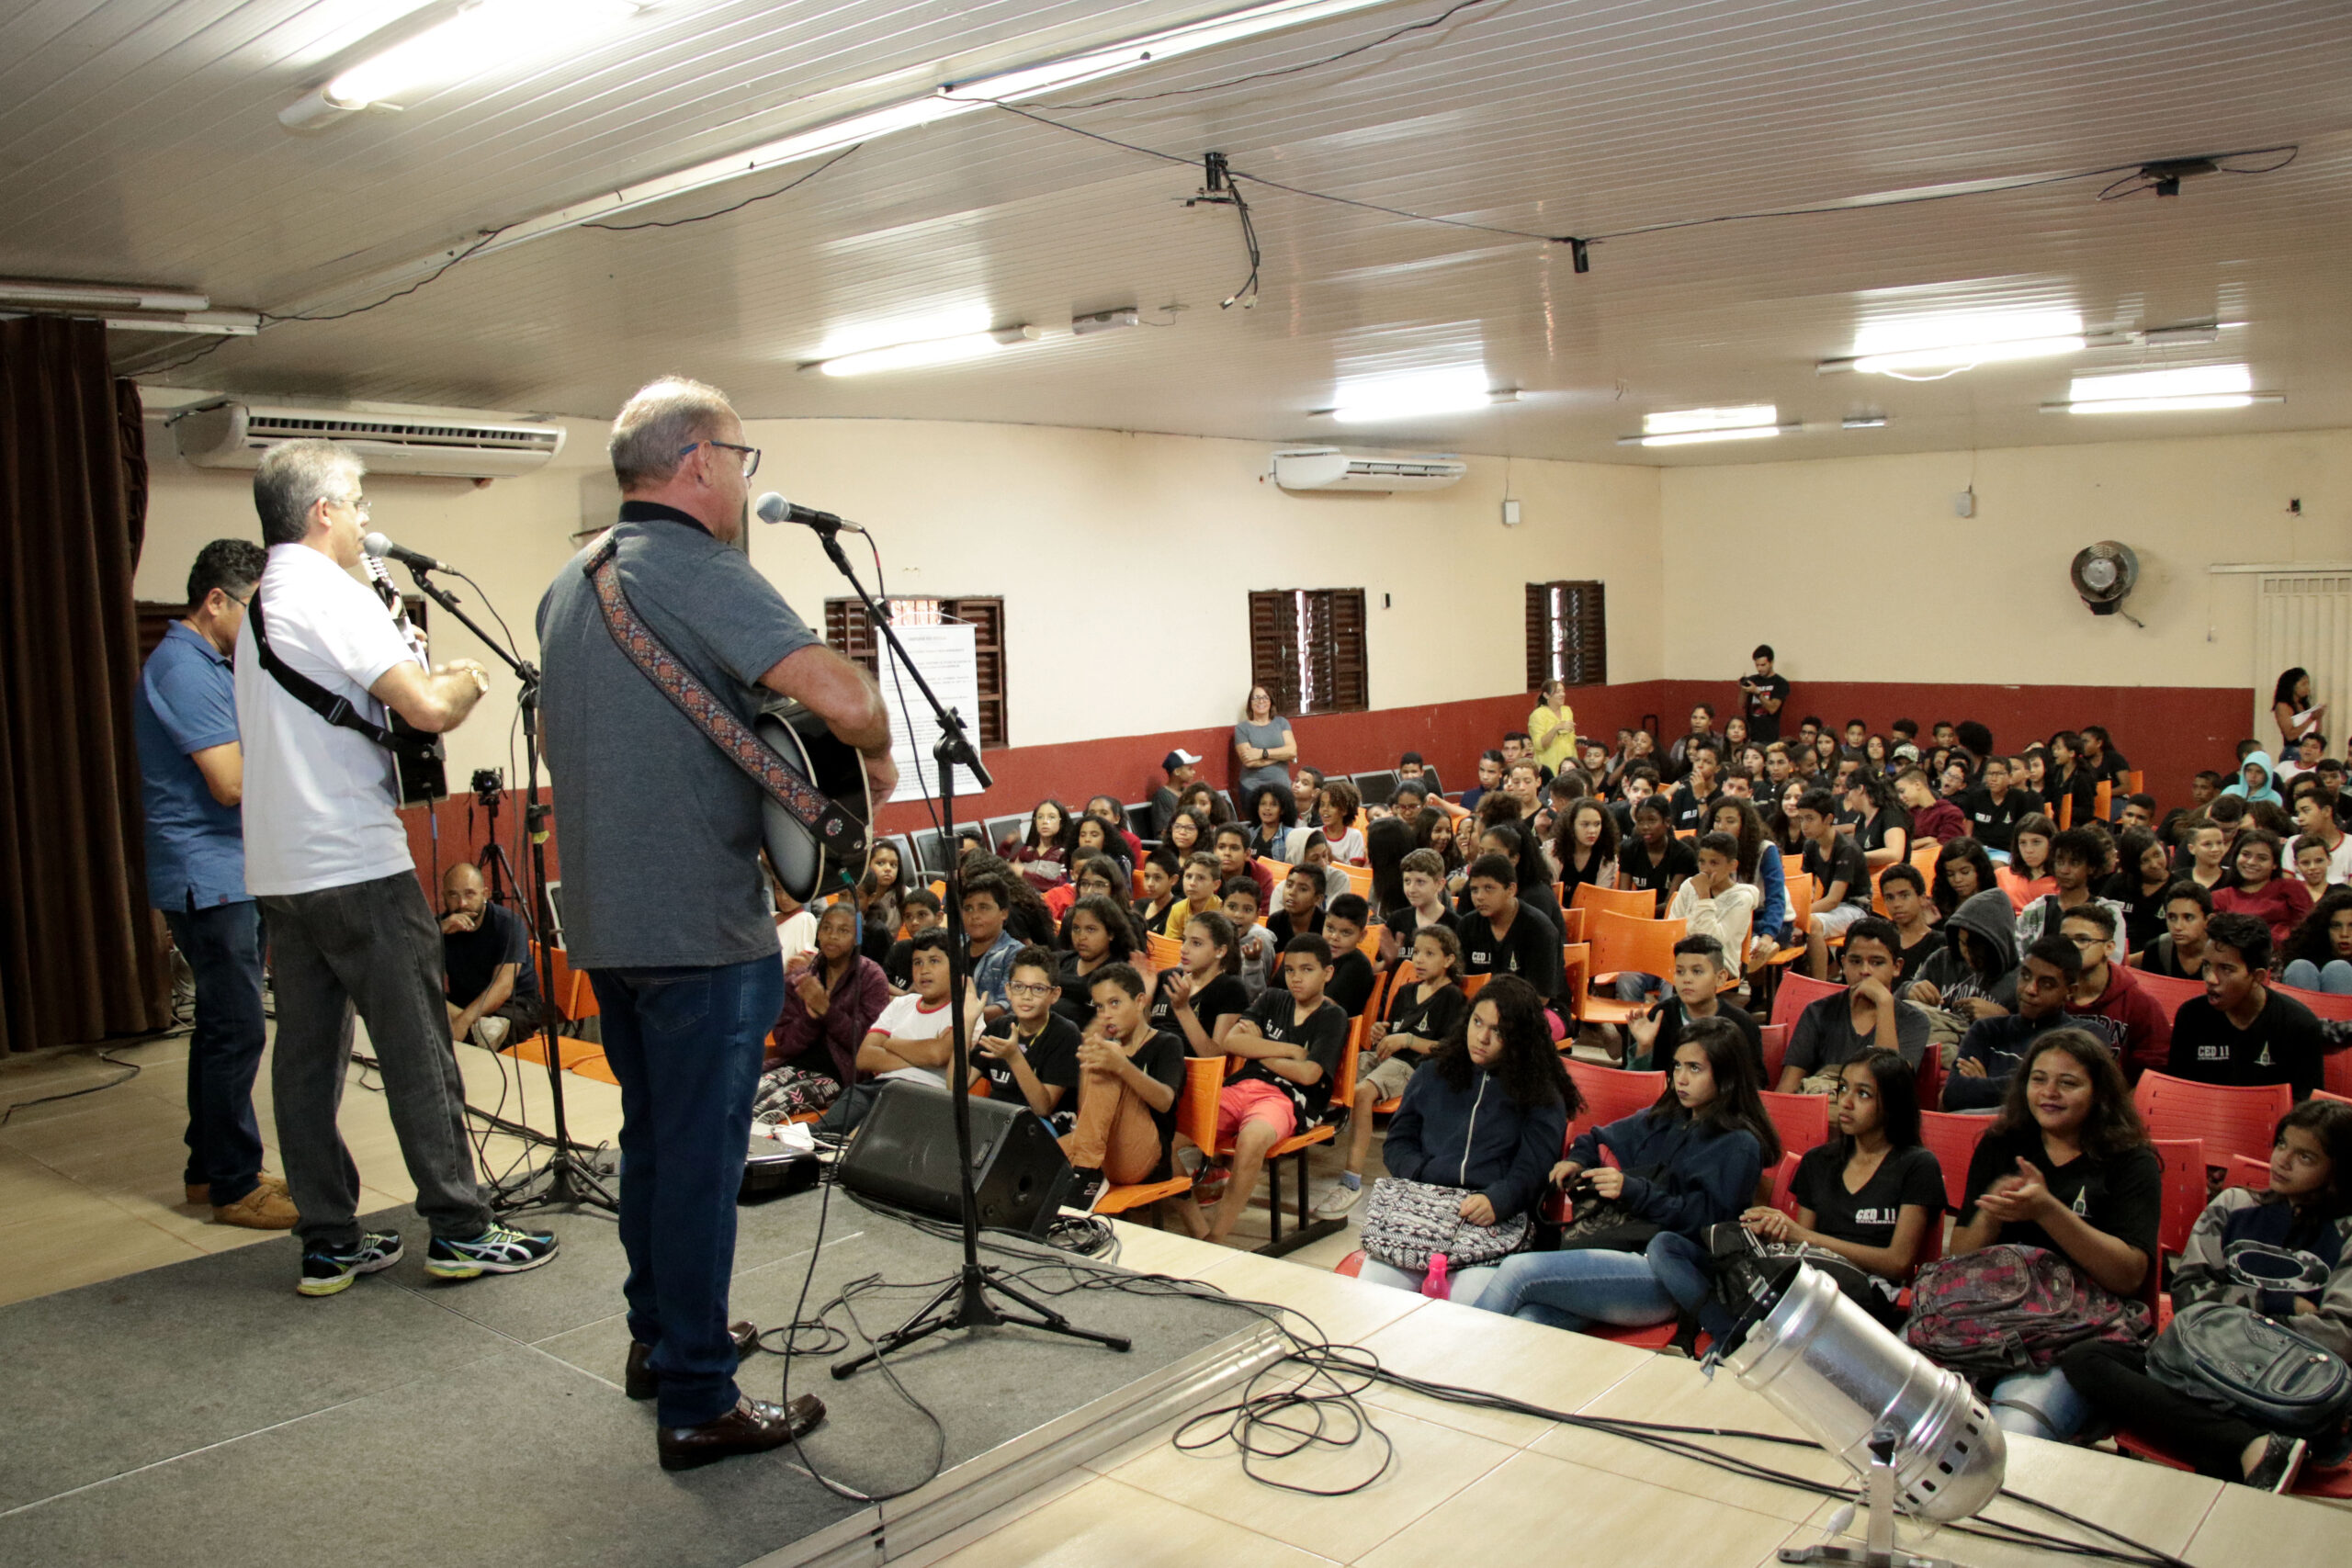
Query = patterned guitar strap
x=836 y=830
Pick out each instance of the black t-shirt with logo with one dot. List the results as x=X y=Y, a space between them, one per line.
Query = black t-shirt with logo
x=2121 y=1196
x=1435 y=1018
x=1220 y=997
x=1994 y=823
x=1053 y=1056
x=1868 y=1218
x=1324 y=1036
x=1689 y=809
x=2283 y=1045
x=1762 y=726
x=1843 y=864
x=1531 y=949
x=1637 y=868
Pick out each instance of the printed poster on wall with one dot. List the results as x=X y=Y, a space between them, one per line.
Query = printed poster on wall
x=948 y=656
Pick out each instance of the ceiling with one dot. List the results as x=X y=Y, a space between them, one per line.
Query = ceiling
x=138 y=143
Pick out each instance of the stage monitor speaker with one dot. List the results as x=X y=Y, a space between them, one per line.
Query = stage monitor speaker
x=904 y=1155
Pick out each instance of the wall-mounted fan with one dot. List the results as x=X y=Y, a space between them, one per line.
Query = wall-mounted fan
x=2104 y=576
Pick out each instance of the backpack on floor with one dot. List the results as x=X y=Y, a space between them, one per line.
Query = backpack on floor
x=2013 y=1309
x=2253 y=1367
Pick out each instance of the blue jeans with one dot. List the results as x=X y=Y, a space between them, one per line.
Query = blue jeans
x=2038 y=1404
x=1686 y=1270
x=1464 y=1285
x=1576 y=1289
x=686 y=1044
x=223 y=946
x=2335 y=977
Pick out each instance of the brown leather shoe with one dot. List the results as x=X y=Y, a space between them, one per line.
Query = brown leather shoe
x=641 y=1382
x=263 y=1209
x=199 y=1194
x=753 y=1426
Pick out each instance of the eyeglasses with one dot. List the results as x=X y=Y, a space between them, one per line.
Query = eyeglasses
x=750 y=453
x=358 y=503
x=1024 y=988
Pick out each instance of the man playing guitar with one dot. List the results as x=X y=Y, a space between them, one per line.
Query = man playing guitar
x=664 y=906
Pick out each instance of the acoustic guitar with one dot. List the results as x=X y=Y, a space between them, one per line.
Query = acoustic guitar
x=419 y=758
x=803 y=864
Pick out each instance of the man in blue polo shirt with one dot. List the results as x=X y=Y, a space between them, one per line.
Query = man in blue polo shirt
x=192 y=772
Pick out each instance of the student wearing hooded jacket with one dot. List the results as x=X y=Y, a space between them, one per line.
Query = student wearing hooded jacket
x=1975 y=976
x=2256 y=774
x=1486 y=1114
x=2307 y=1210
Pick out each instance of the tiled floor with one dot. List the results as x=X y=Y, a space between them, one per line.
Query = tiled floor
x=90 y=1190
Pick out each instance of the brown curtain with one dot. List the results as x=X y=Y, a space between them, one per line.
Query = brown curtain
x=78 y=959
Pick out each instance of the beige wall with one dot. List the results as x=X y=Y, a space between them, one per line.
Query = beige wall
x=1857 y=570
x=1125 y=559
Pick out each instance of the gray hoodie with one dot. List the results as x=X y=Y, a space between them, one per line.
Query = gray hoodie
x=1992 y=919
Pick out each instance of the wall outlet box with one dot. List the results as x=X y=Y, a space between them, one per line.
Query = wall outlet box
x=1964 y=504
x=1511 y=515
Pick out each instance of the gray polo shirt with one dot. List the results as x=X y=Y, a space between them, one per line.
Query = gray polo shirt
x=660 y=832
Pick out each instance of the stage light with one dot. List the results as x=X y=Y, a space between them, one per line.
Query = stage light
x=930 y=351
x=482 y=35
x=1915 y=1435
x=1386 y=398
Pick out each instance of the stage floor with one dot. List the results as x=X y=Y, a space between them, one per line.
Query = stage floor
x=202 y=1414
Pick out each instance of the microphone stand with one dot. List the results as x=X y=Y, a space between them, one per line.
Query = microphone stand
x=967 y=1302
x=566 y=1179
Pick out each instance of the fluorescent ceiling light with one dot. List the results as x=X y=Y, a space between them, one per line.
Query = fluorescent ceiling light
x=1151 y=49
x=934 y=351
x=482 y=35
x=1961 y=341
x=1678 y=422
x=117 y=296
x=1410 y=396
x=1863 y=422
x=1693 y=437
x=2160 y=392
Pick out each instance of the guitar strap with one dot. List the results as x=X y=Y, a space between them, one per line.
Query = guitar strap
x=335 y=710
x=840 y=832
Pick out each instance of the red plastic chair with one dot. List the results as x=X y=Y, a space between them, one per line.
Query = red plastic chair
x=1952 y=1139
x=2336 y=1072
x=1610 y=1093
x=2183 y=1197
x=2326 y=1004
x=1784 y=1179
x=2245 y=1172
x=1931 y=1076
x=2232 y=1119
x=1802 y=1119
x=1796 y=993
x=1776 y=1049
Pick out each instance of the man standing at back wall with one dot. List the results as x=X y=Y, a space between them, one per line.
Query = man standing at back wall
x=327 y=856
x=663 y=884
x=192 y=772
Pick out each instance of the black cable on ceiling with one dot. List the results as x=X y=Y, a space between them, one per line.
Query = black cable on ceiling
x=747 y=201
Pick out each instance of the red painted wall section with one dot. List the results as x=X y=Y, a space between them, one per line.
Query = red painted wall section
x=464 y=830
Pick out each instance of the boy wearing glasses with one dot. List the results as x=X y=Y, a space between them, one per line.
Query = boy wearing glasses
x=1030 y=1055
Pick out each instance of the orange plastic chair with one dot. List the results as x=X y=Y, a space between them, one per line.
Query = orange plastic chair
x=1801 y=895
x=1610 y=1093
x=1622 y=943
x=2232 y=1118
x=2182 y=1198
x=1196 y=1115
x=1572 y=924
x=1798 y=992
x=1952 y=1139
x=2247 y=1172
x=1473 y=984
x=1359 y=880
x=2324 y=1004
x=1633 y=901
x=1280 y=868
x=1575 y=972
x=1164 y=951
x=1802 y=1119
x=2102 y=800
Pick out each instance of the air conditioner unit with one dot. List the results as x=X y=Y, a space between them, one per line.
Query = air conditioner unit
x=391 y=438
x=1328 y=467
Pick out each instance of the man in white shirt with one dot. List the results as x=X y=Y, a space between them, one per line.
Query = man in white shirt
x=327 y=858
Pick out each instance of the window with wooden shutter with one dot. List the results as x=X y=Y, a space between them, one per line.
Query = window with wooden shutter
x=1306 y=647
x=1567 y=634
x=847 y=632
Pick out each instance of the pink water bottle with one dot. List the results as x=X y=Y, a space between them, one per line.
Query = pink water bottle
x=1434 y=1286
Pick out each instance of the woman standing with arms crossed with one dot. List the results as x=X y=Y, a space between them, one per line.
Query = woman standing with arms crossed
x=1552 y=728
x=1262 y=744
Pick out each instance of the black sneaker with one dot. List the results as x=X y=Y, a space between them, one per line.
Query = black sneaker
x=325 y=1271
x=2282 y=1461
x=1086 y=1189
x=501 y=1249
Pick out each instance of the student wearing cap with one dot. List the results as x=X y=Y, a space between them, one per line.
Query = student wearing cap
x=1181 y=767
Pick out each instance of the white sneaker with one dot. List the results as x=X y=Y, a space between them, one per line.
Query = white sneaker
x=489 y=1033
x=1338 y=1201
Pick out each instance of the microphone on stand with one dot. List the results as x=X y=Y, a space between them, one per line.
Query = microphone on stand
x=773 y=508
x=380 y=547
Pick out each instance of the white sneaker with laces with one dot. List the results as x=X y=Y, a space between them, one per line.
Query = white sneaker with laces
x=1338 y=1201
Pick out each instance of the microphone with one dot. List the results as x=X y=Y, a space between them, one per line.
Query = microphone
x=773 y=508
x=380 y=547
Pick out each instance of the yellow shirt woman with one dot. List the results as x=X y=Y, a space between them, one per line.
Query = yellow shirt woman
x=1552 y=728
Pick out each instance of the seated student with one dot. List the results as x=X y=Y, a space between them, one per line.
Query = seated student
x=1904 y=893
x=1882 y=827
x=1030 y=1055
x=1690 y=1161
x=1106 y=808
x=1099 y=836
x=1095 y=877
x=878 y=899
x=1339 y=807
x=1290 y=1042
x=1230 y=845
x=1650 y=858
x=1523 y=781
x=2075 y=858
x=2065 y=1167
x=2307 y=856
x=1269 y=816
x=1868 y=1194
x=2254 y=779
x=2180 y=951
x=1701 y=966
x=2143 y=873
x=1422 y=1016
x=1687 y=805
x=2315 y=820
x=1834 y=1030
x=911 y=1039
x=1207 y=802
x=1585 y=849
x=2279 y=902
x=1352 y=976
x=1182 y=769
x=1409 y=800
x=2243 y=1030
x=2304 y=758
x=1187 y=832
x=830 y=1006
x=2319 y=956
x=1990 y=1050
x=1042 y=854
x=1487 y=1115
x=2107 y=999
x=2070 y=779
x=1301 y=906
x=491 y=987
x=1161 y=871
x=2209 y=848
x=986 y=901
x=2136 y=811
x=1098 y=934
x=1713 y=900
x=1502 y=934
x=1975 y=975
x=1963 y=871
x=795 y=923
x=1840 y=872
x=1421 y=875
x=1933 y=820
x=1760 y=866
x=922 y=912
x=1026 y=918
x=1129 y=1077
x=2027 y=875
x=2307 y=1209
x=1490 y=777
x=1252 y=941
x=1201 y=878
